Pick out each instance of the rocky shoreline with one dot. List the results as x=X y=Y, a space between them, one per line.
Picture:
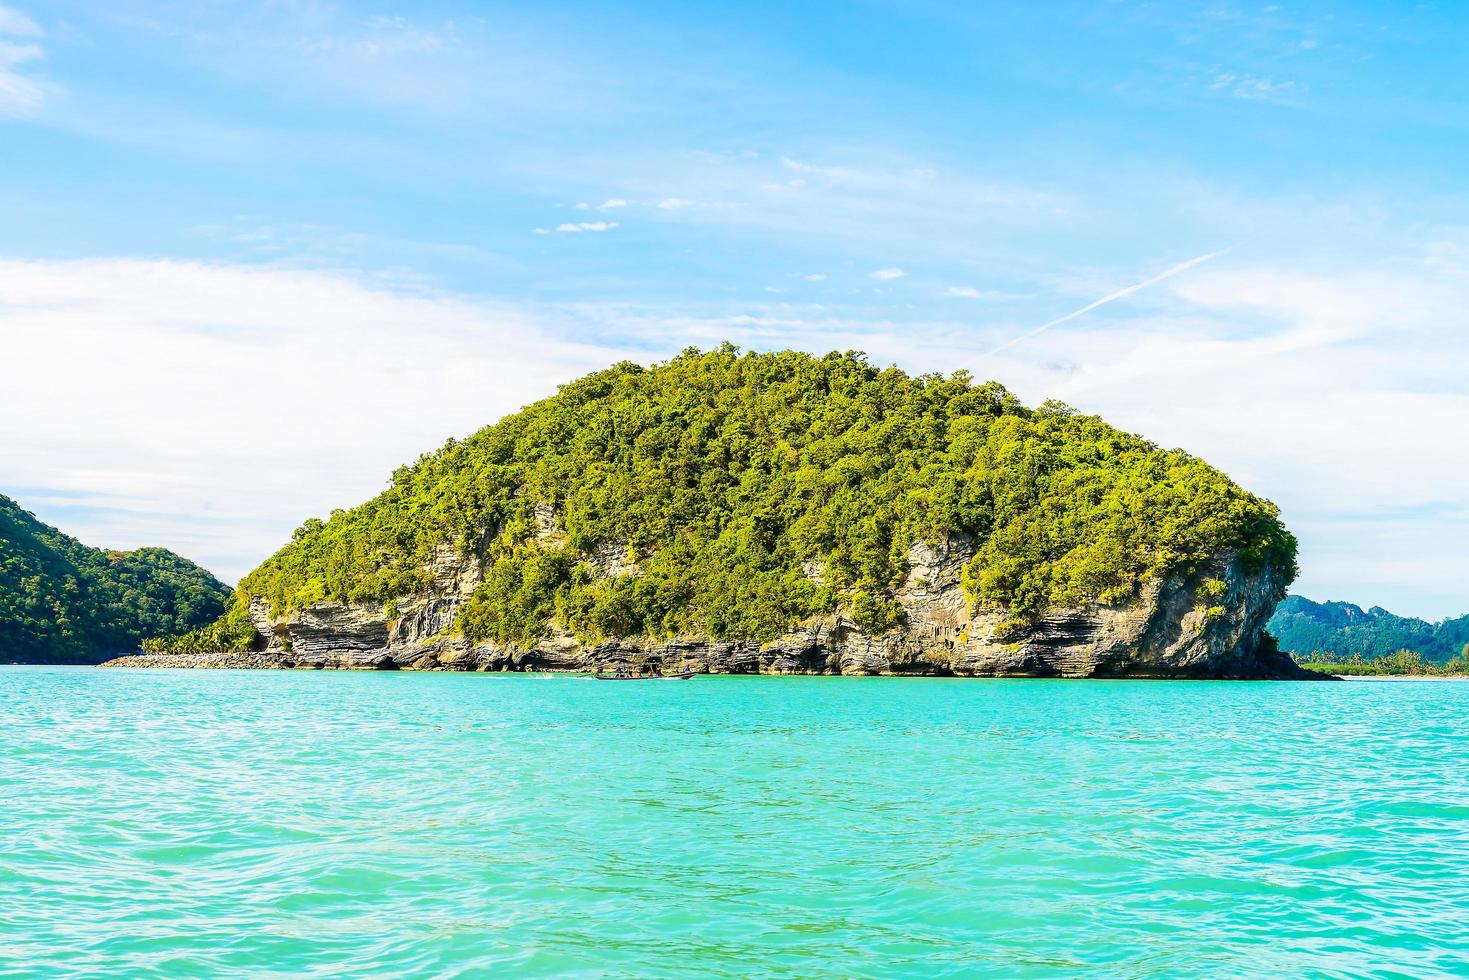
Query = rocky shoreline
x=277 y=661
x=206 y=661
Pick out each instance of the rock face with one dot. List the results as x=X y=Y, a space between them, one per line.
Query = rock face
x=1167 y=631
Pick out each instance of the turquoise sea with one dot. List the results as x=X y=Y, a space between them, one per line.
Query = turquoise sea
x=195 y=823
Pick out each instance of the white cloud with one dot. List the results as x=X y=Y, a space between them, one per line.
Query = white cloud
x=16 y=24
x=669 y=203
x=816 y=277
x=886 y=274
x=1339 y=396
x=211 y=408
x=830 y=173
x=970 y=292
x=610 y=203
x=581 y=226
x=582 y=205
x=22 y=91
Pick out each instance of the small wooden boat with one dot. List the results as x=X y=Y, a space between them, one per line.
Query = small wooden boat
x=686 y=675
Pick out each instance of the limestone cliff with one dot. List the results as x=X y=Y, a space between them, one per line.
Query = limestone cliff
x=1167 y=631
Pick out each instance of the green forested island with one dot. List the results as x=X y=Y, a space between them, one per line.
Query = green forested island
x=63 y=602
x=731 y=495
x=1343 y=631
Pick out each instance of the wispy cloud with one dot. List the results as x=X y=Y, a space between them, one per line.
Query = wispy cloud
x=1256 y=89
x=611 y=203
x=883 y=205
x=16 y=24
x=915 y=180
x=419 y=67
x=581 y=226
x=1111 y=298
x=22 y=90
x=817 y=170
x=887 y=274
x=970 y=292
x=381 y=38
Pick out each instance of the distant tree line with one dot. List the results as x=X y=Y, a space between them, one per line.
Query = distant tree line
x=1399 y=663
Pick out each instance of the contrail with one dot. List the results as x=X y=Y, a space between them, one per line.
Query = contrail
x=1126 y=291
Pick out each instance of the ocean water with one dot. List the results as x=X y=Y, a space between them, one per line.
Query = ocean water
x=195 y=823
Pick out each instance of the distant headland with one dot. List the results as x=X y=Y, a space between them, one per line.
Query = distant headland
x=65 y=603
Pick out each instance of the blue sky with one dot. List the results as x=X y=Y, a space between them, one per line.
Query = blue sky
x=253 y=256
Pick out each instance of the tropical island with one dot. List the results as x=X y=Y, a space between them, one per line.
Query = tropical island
x=783 y=513
x=63 y=602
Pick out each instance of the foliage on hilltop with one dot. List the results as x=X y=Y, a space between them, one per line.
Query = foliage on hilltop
x=1303 y=627
x=729 y=478
x=63 y=602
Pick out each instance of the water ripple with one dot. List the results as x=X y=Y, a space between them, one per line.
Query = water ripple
x=284 y=824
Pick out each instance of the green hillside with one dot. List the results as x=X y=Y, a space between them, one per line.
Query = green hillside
x=1303 y=627
x=721 y=475
x=63 y=602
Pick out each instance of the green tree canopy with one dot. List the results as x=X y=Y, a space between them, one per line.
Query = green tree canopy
x=61 y=601
x=727 y=478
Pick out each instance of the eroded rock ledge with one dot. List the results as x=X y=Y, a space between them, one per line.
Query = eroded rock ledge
x=1168 y=631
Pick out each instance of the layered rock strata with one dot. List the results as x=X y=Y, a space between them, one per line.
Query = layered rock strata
x=1168 y=630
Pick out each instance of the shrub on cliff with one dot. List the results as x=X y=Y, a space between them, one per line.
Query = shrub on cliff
x=729 y=477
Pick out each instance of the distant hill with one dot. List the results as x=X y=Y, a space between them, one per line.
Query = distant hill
x=1302 y=626
x=63 y=602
